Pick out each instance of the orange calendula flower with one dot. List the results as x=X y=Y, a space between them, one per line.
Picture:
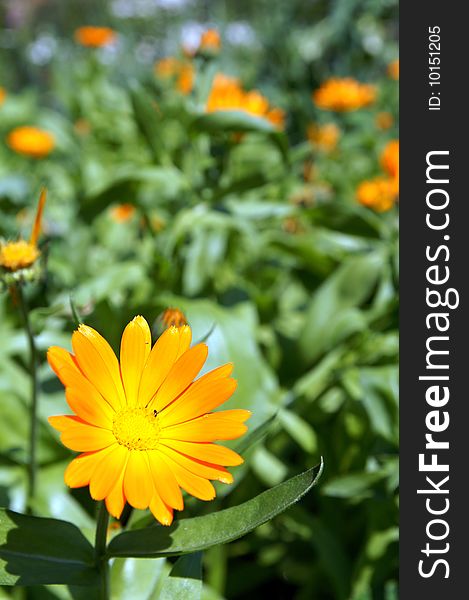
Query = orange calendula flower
x=384 y=120
x=173 y=317
x=31 y=141
x=393 y=69
x=22 y=254
x=182 y=71
x=210 y=41
x=3 y=95
x=380 y=193
x=228 y=94
x=144 y=427
x=390 y=158
x=324 y=136
x=122 y=212
x=342 y=95
x=95 y=37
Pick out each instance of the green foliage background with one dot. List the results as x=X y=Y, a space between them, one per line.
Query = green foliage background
x=308 y=316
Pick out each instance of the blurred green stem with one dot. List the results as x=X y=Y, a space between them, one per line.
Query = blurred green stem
x=100 y=549
x=32 y=466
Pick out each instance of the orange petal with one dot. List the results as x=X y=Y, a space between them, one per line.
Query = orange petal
x=183 y=372
x=135 y=349
x=138 y=484
x=207 y=428
x=200 y=397
x=185 y=338
x=193 y=484
x=115 y=500
x=63 y=422
x=218 y=373
x=90 y=407
x=211 y=453
x=108 y=471
x=158 y=365
x=80 y=436
x=161 y=510
x=197 y=467
x=79 y=471
x=98 y=362
x=164 y=481
x=235 y=414
x=66 y=369
x=59 y=358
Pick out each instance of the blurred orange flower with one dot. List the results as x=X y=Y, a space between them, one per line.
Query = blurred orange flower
x=180 y=70
x=228 y=94
x=384 y=120
x=393 y=69
x=210 y=41
x=324 y=136
x=390 y=158
x=2 y=95
x=173 y=317
x=122 y=212
x=22 y=254
x=95 y=37
x=344 y=95
x=31 y=141
x=379 y=193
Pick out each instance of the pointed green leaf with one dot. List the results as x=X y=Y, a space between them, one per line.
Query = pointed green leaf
x=232 y=120
x=199 y=533
x=35 y=551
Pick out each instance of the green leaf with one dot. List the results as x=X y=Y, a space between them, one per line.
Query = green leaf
x=199 y=533
x=299 y=429
x=232 y=120
x=137 y=578
x=185 y=579
x=334 y=312
x=35 y=551
x=147 y=117
x=352 y=485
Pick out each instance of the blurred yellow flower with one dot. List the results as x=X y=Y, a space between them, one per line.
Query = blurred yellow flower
x=324 y=136
x=390 y=158
x=173 y=317
x=122 y=212
x=22 y=254
x=31 y=141
x=380 y=193
x=3 y=95
x=95 y=37
x=210 y=41
x=344 y=95
x=228 y=94
x=144 y=427
x=384 y=120
x=393 y=69
x=182 y=71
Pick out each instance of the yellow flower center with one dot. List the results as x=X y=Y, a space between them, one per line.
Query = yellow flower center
x=137 y=428
x=18 y=255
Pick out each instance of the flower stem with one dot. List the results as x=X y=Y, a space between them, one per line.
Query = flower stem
x=100 y=549
x=32 y=460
